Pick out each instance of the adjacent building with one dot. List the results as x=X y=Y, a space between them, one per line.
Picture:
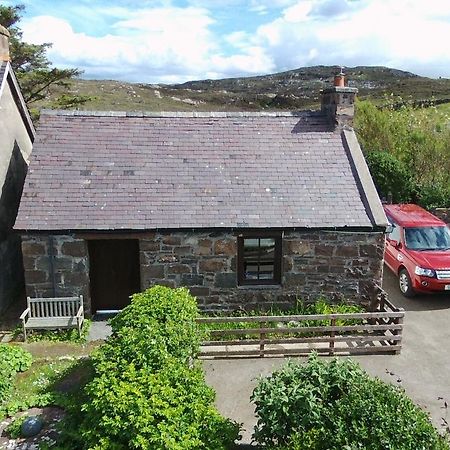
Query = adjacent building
x=16 y=140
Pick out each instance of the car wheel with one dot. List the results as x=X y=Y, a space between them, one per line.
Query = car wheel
x=405 y=283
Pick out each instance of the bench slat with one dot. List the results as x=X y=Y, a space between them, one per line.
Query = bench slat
x=54 y=299
x=51 y=322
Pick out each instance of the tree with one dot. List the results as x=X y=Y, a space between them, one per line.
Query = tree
x=34 y=71
x=408 y=151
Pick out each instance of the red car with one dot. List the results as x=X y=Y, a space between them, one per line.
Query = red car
x=417 y=249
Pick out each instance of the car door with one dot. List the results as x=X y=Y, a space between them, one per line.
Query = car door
x=392 y=255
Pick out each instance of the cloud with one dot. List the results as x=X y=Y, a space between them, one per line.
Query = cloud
x=404 y=34
x=159 y=42
x=145 y=42
x=151 y=45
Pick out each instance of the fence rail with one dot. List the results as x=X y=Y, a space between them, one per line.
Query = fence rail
x=379 y=331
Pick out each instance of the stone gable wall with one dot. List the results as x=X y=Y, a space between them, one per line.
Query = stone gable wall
x=70 y=264
x=339 y=265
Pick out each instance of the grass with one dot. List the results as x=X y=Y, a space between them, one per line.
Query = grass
x=53 y=381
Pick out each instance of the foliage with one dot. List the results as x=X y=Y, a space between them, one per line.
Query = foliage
x=33 y=70
x=335 y=405
x=70 y=335
x=45 y=383
x=12 y=360
x=408 y=151
x=321 y=306
x=391 y=176
x=14 y=429
x=147 y=393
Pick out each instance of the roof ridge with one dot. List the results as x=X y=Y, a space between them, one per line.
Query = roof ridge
x=175 y=114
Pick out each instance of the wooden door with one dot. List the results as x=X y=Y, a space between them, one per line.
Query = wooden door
x=114 y=272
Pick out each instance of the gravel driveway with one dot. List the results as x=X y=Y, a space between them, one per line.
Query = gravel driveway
x=422 y=368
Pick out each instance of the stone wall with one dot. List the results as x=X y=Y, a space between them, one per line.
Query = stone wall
x=11 y=272
x=314 y=263
x=337 y=264
x=70 y=264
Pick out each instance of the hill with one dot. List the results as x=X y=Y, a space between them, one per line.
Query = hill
x=294 y=89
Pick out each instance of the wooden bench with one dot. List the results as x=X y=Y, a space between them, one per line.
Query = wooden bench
x=52 y=314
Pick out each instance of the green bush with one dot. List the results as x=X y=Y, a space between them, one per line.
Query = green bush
x=14 y=429
x=335 y=405
x=147 y=393
x=405 y=144
x=12 y=360
x=391 y=176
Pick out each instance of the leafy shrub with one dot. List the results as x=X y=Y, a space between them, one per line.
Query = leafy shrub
x=417 y=141
x=12 y=360
x=434 y=195
x=14 y=429
x=16 y=358
x=158 y=322
x=391 y=176
x=147 y=393
x=168 y=409
x=335 y=405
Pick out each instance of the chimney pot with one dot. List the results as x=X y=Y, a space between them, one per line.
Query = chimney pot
x=339 y=78
x=4 y=44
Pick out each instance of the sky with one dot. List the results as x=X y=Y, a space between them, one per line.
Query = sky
x=171 y=41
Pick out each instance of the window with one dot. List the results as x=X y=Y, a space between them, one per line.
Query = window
x=259 y=259
x=395 y=233
x=427 y=238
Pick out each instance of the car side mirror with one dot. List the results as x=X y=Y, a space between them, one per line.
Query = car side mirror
x=395 y=243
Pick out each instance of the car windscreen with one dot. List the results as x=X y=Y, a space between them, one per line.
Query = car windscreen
x=427 y=238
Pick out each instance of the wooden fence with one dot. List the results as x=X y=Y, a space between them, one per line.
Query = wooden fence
x=379 y=331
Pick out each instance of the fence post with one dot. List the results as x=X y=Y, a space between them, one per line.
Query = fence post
x=398 y=321
x=262 y=337
x=332 y=335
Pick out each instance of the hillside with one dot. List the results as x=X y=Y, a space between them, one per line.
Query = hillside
x=294 y=89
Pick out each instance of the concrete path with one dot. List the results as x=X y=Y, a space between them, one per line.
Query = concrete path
x=99 y=330
x=422 y=369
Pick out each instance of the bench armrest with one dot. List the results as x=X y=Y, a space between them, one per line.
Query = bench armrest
x=80 y=312
x=24 y=314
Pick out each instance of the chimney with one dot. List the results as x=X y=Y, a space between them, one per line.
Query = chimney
x=338 y=102
x=4 y=44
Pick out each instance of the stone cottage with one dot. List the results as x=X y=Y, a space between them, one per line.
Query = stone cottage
x=16 y=140
x=245 y=209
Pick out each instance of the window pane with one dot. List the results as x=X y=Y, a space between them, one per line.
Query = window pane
x=266 y=270
x=251 y=243
x=250 y=271
x=427 y=238
x=267 y=242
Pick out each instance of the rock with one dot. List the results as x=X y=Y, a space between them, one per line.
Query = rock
x=31 y=426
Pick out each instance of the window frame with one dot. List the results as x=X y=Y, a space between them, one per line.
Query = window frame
x=278 y=257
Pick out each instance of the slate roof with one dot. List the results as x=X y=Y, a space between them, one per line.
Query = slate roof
x=111 y=171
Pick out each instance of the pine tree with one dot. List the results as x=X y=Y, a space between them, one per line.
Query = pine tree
x=34 y=71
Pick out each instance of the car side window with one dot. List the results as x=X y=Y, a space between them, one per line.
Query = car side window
x=395 y=233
